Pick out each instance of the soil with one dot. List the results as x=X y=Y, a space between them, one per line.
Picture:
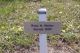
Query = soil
x=55 y=49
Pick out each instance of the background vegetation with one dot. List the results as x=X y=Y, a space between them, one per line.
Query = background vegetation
x=13 y=13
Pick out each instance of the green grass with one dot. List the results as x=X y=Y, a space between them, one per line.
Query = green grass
x=14 y=13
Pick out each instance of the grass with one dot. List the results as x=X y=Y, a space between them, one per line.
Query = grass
x=14 y=13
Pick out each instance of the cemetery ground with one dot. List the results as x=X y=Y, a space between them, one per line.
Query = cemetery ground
x=13 y=13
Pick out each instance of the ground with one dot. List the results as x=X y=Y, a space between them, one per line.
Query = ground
x=13 y=14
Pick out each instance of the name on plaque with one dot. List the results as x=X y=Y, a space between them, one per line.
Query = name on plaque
x=42 y=27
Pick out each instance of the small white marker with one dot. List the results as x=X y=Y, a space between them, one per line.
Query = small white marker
x=55 y=29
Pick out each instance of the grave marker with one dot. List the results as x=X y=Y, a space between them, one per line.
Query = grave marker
x=43 y=27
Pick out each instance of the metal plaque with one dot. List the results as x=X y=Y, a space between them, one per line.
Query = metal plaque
x=42 y=27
